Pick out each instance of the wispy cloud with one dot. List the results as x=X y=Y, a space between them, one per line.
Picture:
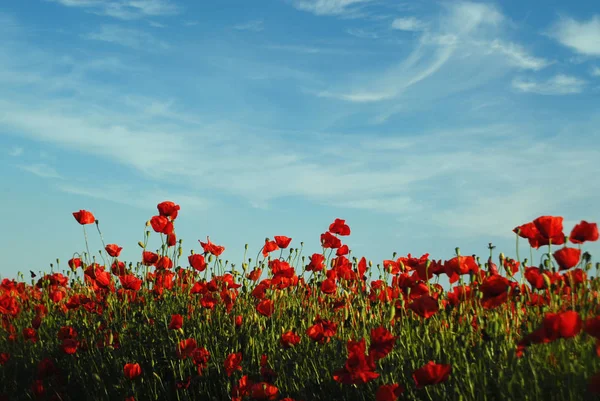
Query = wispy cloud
x=124 y=9
x=126 y=195
x=558 y=85
x=156 y=24
x=41 y=170
x=451 y=178
x=253 y=26
x=595 y=71
x=330 y=7
x=408 y=24
x=16 y=151
x=361 y=33
x=463 y=42
x=518 y=56
x=127 y=37
x=581 y=36
x=303 y=49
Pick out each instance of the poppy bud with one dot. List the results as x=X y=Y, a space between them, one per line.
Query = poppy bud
x=148 y=223
x=141 y=244
x=547 y=280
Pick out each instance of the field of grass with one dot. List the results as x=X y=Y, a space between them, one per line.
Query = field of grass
x=323 y=327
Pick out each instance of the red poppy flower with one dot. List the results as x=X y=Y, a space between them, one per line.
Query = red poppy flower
x=161 y=224
x=265 y=307
x=329 y=240
x=322 y=330
x=238 y=321
x=460 y=265
x=358 y=369
x=574 y=277
x=69 y=346
x=212 y=248
x=197 y=262
x=343 y=250
x=382 y=342
x=584 y=231
x=339 y=227
x=74 y=263
x=84 y=217
x=4 y=357
x=264 y=391
x=269 y=247
x=567 y=257
x=113 y=250
x=176 y=322
x=389 y=392
x=282 y=241
x=316 y=262
x=168 y=209
x=289 y=339
x=431 y=373
x=132 y=370
x=254 y=275
x=550 y=227
x=171 y=239
x=66 y=332
x=185 y=348
x=328 y=286
x=149 y=258
x=164 y=262
x=495 y=291
x=30 y=334
x=425 y=306
x=554 y=326
x=200 y=357
x=233 y=363
x=130 y=282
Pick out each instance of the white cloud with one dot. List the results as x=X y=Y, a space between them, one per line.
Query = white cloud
x=358 y=97
x=254 y=26
x=156 y=24
x=464 y=43
x=16 y=151
x=124 y=9
x=595 y=71
x=361 y=33
x=311 y=49
x=127 y=37
x=581 y=36
x=405 y=171
x=558 y=85
x=329 y=7
x=41 y=170
x=126 y=195
x=408 y=24
x=518 y=56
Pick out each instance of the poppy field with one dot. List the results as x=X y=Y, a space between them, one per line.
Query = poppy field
x=325 y=326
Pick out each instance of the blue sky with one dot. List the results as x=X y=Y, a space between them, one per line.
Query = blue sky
x=425 y=125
